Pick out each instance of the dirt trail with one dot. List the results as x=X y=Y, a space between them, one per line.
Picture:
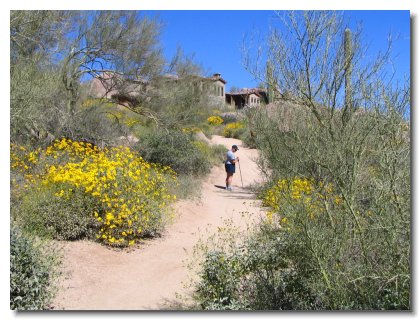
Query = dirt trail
x=147 y=278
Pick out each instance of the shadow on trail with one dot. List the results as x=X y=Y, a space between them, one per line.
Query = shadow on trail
x=237 y=193
x=240 y=196
x=235 y=189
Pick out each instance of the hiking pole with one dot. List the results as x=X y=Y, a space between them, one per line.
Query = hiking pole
x=240 y=172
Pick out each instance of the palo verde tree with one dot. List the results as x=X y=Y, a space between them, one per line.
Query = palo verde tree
x=53 y=52
x=36 y=37
x=179 y=96
x=116 y=47
x=336 y=152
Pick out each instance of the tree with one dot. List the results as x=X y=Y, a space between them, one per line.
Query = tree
x=346 y=126
x=53 y=52
x=179 y=97
x=36 y=38
x=235 y=89
x=116 y=47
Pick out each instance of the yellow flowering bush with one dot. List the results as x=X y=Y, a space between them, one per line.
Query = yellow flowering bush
x=308 y=194
x=131 y=195
x=95 y=102
x=233 y=129
x=191 y=130
x=215 y=120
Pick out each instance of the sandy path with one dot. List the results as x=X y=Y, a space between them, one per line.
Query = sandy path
x=148 y=277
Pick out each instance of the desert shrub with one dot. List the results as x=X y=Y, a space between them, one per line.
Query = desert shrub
x=188 y=187
x=349 y=223
x=234 y=130
x=215 y=120
x=47 y=213
x=335 y=150
x=97 y=121
x=114 y=191
x=249 y=140
x=32 y=270
x=353 y=274
x=229 y=117
x=191 y=130
x=214 y=153
x=310 y=193
x=343 y=222
x=304 y=256
x=216 y=112
x=254 y=273
x=174 y=149
x=209 y=129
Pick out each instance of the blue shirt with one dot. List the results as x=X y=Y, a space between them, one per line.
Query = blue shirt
x=229 y=157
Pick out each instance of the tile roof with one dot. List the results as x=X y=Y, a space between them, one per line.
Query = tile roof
x=248 y=91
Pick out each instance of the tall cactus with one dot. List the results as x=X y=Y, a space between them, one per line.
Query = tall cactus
x=348 y=55
x=270 y=82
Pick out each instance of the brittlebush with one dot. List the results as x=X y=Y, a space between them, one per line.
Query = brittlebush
x=215 y=120
x=306 y=193
x=233 y=129
x=132 y=195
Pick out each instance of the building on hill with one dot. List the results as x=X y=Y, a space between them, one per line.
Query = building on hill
x=213 y=86
x=247 y=97
x=218 y=85
x=108 y=87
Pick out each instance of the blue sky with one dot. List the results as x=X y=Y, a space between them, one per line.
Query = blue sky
x=215 y=37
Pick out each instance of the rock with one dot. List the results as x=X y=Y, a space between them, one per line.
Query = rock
x=200 y=136
x=127 y=141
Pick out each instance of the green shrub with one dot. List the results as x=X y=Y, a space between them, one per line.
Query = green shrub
x=279 y=268
x=252 y=275
x=214 y=153
x=102 y=124
x=248 y=139
x=175 y=149
x=343 y=224
x=208 y=129
x=345 y=235
x=337 y=233
x=234 y=130
x=45 y=214
x=32 y=270
x=229 y=117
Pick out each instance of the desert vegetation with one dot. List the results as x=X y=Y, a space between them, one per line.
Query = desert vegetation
x=335 y=151
x=106 y=135
x=104 y=162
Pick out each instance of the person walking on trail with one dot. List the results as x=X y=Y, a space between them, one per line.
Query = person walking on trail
x=231 y=159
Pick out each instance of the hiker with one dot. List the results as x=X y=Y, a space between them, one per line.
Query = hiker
x=231 y=159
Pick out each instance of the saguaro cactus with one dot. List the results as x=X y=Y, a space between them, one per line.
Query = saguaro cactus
x=348 y=55
x=270 y=82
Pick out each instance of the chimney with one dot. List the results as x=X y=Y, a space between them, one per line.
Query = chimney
x=216 y=75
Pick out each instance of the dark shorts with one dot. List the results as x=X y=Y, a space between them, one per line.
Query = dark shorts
x=230 y=168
